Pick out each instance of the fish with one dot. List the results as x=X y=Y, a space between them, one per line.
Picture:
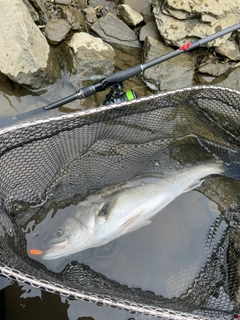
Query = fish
x=103 y=217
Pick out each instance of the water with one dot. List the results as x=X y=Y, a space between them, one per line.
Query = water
x=164 y=257
x=18 y=301
x=23 y=302
x=15 y=99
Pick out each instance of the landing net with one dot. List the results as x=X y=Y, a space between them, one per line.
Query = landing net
x=66 y=157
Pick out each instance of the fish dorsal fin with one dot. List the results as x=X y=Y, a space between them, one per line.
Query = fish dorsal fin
x=194 y=185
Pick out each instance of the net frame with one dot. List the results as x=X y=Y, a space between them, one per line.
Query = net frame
x=66 y=291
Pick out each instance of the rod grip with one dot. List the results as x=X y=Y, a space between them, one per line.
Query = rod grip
x=61 y=102
x=123 y=75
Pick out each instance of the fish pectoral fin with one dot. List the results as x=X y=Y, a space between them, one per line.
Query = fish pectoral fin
x=138 y=225
x=194 y=185
x=135 y=223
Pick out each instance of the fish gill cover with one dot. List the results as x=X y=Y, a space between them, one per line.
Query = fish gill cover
x=46 y=165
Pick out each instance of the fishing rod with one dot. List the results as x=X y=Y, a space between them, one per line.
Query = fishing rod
x=115 y=80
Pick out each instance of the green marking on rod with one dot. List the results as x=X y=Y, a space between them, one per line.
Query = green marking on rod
x=129 y=95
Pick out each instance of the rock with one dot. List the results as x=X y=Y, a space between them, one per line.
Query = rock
x=178 y=20
x=204 y=79
x=151 y=30
x=75 y=18
x=6 y=90
x=66 y=2
x=175 y=73
x=103 y=3
x=54 y=11
x=103 y=7
x=214 y=69
x=232 y=80
x=103 y=11
x=180 y=15
x=91 y=15
x=131 y=17
x=124 y=61
x=204 y=7
x=183 y=5
x=229 y=49
x=144 y=7
x=25 y=53
x=93 y=59
x=57 y=30
x=117 y=33
x=32 y=11
x=208 y=19
x=81 y=3
x=41 y=9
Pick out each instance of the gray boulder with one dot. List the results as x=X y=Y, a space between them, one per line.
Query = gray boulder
x=81 y=3
x=66 y=2
x=178 y=20
x=203 y=7
x=25 y=53
x=74 y=17
x=57 y=30
x=230 y=50
x=91 y=15
x=130 y=16
x=32 y=11
x=151 y=30
x=144 y=7
x=231 y=80
x=117 y=33
x=171 y=74
x=40 y=8
x=92 y=58
x=213 y=68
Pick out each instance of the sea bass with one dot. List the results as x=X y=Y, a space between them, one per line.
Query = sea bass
x=107 y=216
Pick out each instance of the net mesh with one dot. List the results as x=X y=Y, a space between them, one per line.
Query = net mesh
x=67 y=157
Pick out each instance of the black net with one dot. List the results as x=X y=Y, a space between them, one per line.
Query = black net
x=63 y=159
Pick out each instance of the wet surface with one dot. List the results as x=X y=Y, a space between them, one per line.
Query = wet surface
x=171 y=249
x=15 y=99
x=164 y=257
x=20 y=301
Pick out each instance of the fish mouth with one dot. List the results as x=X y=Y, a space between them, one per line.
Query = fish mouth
x=58 y=245
x=52 y=249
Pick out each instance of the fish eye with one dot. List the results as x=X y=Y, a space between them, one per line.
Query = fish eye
x=58 y=233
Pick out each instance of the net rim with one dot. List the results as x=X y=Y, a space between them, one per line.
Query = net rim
x=83 y=296
x=77 y=294
x=104 y=108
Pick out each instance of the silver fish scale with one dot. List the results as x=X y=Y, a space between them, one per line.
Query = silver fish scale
x=72 y=154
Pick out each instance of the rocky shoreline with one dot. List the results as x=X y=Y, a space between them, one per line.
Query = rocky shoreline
x=88 y=40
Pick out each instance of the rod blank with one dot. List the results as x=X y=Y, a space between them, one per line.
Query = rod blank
x=123 y=75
